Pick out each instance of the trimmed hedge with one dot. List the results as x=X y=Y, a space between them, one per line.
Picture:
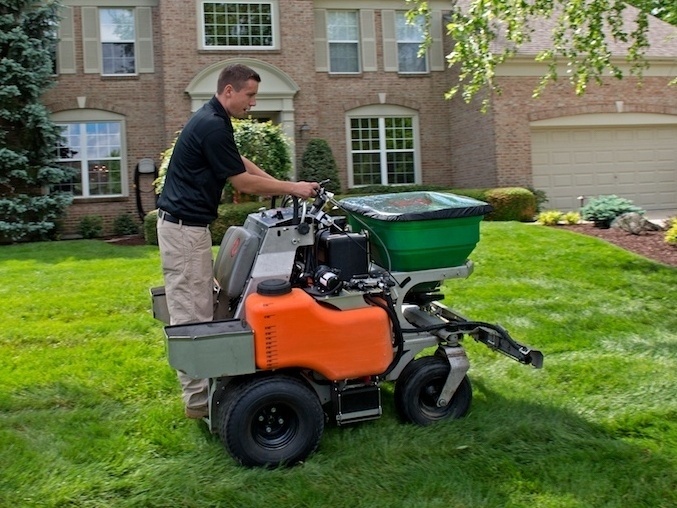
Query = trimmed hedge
x=510 y=204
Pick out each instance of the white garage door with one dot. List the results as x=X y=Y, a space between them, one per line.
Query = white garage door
x=635 y=162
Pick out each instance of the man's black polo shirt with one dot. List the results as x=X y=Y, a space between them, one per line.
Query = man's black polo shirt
x=205 y=156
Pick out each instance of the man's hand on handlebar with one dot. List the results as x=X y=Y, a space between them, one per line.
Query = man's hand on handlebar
x=306 y=190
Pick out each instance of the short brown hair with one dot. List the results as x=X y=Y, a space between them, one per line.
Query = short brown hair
x=236 y=75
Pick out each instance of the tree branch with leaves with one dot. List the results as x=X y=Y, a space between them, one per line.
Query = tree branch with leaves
x=587 y=37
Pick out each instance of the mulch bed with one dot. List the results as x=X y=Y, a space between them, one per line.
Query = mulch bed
x=650 y=244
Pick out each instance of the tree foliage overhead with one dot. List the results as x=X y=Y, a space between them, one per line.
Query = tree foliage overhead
x=27 y=136
x=663 y=9
x=585 y=33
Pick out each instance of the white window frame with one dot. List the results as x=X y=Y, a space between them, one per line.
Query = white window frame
x=357 y=42
x=275 y=25
x=408 y=39
x=82 y=118
x=381 y=112
x=103 y=41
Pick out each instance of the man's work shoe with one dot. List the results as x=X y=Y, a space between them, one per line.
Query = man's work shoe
x=197 y=412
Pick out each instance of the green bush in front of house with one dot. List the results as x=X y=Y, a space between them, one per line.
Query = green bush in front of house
x=149 y=227
x=125 y=224
x=671 y=233
x=318 y=164
x=263 y=143
x=91 y=226
x=602 y=210
x=233 y=214
x=511 y=203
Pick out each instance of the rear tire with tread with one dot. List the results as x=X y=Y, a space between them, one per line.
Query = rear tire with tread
x=272 y=421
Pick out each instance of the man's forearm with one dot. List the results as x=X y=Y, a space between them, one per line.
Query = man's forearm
x=253 y=169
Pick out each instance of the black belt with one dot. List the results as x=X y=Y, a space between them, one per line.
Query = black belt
x=175 y=220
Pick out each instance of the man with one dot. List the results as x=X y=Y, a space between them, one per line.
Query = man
x=204 y=158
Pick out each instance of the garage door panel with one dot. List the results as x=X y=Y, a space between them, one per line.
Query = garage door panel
x=625 y=179
x=584 y=180
x=603 y=157
x=625 y=156
x=664 y=156
x=584 y=158
x=562 y=180
x=646 y=156
x=605 y=179
x=636 y=162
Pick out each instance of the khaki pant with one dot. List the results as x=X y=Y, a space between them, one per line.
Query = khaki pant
x=186 y=254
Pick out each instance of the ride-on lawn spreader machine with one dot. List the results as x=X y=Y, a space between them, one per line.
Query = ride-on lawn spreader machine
x=314 y=312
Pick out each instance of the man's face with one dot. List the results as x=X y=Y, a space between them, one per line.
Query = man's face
x=238 y=103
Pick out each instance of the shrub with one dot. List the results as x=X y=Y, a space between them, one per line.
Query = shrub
x=541 y=198
x=572 y=218
x=263 y=143
x=232 y=214
x=602 y=210
x=671 y=234
x=266 y=145
x=318 y=164
x=549 y=217
x=159 y=182
x=91 y=226
x=125 y=224
x=511 y=203
x=150 y=227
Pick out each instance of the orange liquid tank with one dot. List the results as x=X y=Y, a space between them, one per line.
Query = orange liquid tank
x=294 y=330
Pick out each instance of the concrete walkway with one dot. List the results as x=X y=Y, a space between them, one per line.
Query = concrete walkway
x=658 y=216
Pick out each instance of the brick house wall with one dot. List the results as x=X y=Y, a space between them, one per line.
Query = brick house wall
x=494 y=148
x=139 y=100
x=458 y=146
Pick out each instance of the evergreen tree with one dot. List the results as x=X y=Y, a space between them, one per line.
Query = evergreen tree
x=28 y=138
x=318 y=164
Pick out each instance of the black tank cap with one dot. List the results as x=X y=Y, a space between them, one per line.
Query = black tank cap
x=273 y=287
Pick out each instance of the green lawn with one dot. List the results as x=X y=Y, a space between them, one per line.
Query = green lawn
x=90 y=412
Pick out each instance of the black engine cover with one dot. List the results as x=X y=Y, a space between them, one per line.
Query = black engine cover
x=346 y=252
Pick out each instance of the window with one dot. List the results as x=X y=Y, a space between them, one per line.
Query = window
x=242 y=25
x=94 y=151
x=410 y=36
x=117 y=41
x=402 y=41
x=383 y=150
x=343 y=37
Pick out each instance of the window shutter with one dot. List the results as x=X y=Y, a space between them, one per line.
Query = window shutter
x=144 y=40
x=65 y=59
x=368 y=40
x=321 y=49
x=436 y=50
x=90 y=40
x=390 y=60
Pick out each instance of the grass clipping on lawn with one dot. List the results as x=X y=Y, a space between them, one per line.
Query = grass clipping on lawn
x=91 y=412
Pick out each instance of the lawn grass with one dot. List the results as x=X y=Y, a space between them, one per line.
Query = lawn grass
x=90 y=412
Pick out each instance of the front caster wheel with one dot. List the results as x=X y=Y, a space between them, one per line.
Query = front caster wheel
x=419 y=386
x=272 y=421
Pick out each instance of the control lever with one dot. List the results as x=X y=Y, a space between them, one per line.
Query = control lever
x=321 y=198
